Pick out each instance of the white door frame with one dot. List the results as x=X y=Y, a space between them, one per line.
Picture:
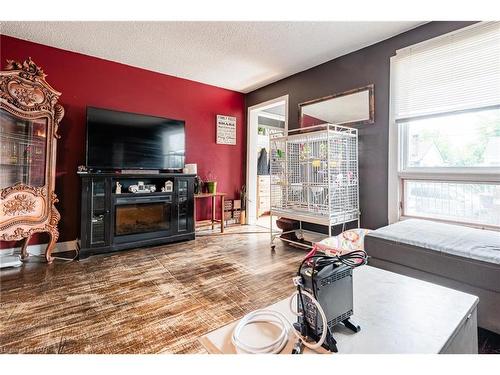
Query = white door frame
x=252 y=127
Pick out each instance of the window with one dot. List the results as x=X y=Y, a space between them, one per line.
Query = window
x=475 y=203
x=465 y=140
x=445 y=108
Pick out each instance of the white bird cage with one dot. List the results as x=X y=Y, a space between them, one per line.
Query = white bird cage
x=314 y=175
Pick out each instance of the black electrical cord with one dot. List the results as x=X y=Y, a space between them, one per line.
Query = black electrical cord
x=313 y=279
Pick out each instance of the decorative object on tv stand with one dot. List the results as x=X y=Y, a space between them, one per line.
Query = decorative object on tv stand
x=198 y=182
x=142 y=188
x=211 y=183
x=226 y=130
x=30 y=117
x=118 y=188
x=82 y=169
x=168 y=188
x=191 y=168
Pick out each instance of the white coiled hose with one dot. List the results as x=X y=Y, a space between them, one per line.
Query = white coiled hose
x=262 y=316
x=277 y=318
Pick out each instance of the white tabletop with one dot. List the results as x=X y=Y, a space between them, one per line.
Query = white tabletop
x=397 y=314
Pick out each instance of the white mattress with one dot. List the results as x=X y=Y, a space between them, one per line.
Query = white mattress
x=458 y=240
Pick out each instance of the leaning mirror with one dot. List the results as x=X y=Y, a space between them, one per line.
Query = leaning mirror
x=353 y=107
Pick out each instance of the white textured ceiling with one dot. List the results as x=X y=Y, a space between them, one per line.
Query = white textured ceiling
x=241 y=56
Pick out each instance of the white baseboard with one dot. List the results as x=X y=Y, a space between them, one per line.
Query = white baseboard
x=39 y=249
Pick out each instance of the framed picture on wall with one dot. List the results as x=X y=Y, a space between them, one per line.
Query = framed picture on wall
x=226 y=130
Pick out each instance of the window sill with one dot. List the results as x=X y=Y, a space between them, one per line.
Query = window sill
x=465 y=224
x=491 y=175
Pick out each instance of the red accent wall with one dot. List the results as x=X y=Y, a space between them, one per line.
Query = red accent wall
x=310 y=121
x=90 y=81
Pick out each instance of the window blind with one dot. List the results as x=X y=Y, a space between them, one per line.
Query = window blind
x=454 y=72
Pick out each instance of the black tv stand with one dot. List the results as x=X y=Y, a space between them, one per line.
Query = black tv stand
x=112 y=222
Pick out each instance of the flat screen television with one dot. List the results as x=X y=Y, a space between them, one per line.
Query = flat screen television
x=122 y=140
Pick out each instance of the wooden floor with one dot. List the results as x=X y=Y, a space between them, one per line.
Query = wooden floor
x=152 y=300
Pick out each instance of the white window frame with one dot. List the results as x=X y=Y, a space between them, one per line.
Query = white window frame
x=397 y=174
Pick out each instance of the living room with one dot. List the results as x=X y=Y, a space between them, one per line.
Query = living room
x=219 y=185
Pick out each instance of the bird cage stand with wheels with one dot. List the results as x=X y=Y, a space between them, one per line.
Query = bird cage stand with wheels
x=314 y=177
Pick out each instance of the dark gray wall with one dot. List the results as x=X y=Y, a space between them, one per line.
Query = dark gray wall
x=360 y=68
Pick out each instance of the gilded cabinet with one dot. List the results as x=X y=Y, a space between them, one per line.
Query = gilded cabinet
x=29 y=120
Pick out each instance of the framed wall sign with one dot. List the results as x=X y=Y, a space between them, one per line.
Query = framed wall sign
x=226 y=130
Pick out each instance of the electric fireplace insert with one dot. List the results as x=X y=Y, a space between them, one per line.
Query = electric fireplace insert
x=133 y=218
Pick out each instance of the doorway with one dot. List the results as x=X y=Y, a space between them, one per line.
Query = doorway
x=265 y=120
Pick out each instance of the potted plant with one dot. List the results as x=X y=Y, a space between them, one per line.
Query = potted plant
x=211 y=183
